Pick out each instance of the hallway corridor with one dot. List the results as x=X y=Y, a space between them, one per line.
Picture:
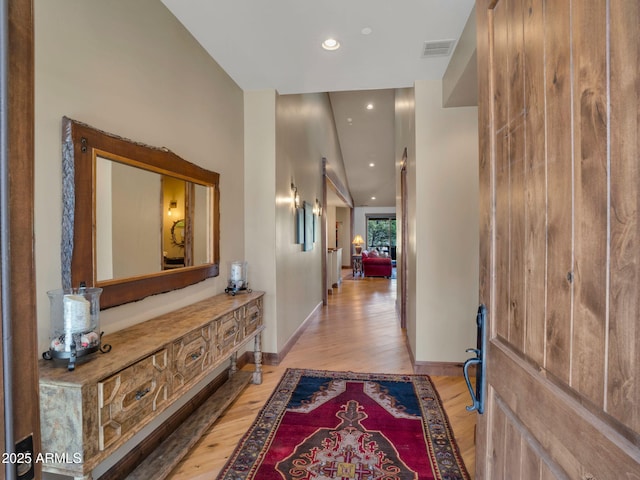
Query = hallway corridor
x=357 y=331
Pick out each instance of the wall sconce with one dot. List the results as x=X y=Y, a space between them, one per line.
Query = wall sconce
x=296 y=197
x=172 y=204
x=318 y=208
x=358 y=241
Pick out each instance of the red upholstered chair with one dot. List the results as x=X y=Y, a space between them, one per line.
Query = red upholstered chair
x=373 y=265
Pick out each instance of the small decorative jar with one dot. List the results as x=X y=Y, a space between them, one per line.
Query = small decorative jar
x=237 y=278
x=75 y=325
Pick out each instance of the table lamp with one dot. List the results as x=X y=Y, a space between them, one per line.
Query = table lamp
x=358 y=241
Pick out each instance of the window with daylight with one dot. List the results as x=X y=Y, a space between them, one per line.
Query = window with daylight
x=381 y=234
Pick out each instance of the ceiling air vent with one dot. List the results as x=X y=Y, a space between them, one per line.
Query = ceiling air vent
x=437 y=48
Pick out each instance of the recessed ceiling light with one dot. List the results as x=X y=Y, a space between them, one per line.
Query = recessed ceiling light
x=372 y=164
x=331 y=44
x=373 y=198
x=366 y=30
x=369 y=106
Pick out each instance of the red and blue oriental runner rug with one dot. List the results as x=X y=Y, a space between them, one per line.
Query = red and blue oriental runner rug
x=343 y=425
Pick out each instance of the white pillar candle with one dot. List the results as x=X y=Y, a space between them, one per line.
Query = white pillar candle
x=77 y=317
x=236 y=272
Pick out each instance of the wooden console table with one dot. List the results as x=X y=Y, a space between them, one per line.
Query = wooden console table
x=88 y=413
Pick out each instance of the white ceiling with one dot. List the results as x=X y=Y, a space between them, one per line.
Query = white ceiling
x=276 y=44
x=367 y=136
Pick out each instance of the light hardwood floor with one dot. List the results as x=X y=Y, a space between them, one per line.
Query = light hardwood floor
x=357 y=331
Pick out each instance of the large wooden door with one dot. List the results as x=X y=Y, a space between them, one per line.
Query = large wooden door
x=559 y=113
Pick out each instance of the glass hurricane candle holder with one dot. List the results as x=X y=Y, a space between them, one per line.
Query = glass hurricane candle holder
x=75 y=324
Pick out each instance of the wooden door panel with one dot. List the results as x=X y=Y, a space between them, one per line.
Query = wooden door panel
x=486 y=175
x=515 y=162
x=535 y=183
x=623 y=379
x=559 y=428
x=497 y=446
x=501 y=166
x=513 y=449
x=557 y=67
x=559 y=109
x=590 y=198
x=531 y=464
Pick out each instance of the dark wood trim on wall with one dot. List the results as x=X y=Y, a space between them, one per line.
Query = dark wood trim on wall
x=324 y=231
x=352 y=226
x=20 y=153
x=404 y=242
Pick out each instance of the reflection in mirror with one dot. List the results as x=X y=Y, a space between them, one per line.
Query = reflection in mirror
x=137 y=220
x=200 y=234
x=128 y=241
x=136 y=234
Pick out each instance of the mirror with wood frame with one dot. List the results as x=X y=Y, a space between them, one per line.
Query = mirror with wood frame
x=137 y=220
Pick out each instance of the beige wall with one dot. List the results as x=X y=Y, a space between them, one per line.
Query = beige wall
x=331 y=226
x=343 y=215
x=405 y=137
x=446 y=226
x=305 y=134
x=131 y=69
x=154 y=84
x=286 y=138
x=442 y=215
x=260 y=192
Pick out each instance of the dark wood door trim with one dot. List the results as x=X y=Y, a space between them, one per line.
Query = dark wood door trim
x=404 y=232
x=18 y=269
x=324 y=228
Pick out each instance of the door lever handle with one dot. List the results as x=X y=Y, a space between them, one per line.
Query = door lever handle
x=476 y=401
x=478 y=395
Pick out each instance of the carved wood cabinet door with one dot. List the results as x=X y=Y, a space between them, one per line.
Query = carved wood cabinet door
x=559 y=118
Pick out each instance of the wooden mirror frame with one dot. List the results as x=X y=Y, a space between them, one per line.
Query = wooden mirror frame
x=79 y=144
